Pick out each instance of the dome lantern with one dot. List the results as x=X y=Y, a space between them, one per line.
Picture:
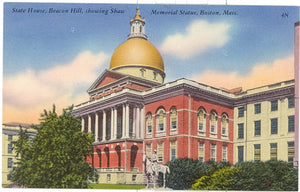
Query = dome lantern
x=137 y=26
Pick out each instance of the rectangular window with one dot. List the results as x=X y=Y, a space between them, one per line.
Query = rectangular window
x=274 y=105
x=108 y=177
x=149 y=128
x=161 y=126
x=213 y=152
x=274 y=126
x=201 y=152
x=241 y=130
x=257 y=128
x=133 y=178
x=257 y=152
x=174 y=124
x=257 y=108
x=9 y=163
x=240 y=154
x=224 y=131
x=160 y=152
x=173 y=150
x=224 y=154
x=291 y=123
x=291 y=102
x=212 y=128
x=148 y=150
x=10 y=148
x=241 y=112
x=10 y=137
x=200 y=126
x=291 y=151
x=273 y=151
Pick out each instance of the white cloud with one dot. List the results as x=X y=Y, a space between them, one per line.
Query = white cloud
x=261 y=74
x=199 y=36
x=31 y=90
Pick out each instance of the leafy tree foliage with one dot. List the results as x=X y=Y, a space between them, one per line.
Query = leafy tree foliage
x=219 y=180
x=185 y=171
x=257 y=176
x=56 y=157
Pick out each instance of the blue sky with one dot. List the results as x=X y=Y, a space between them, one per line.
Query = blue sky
x=44 y=44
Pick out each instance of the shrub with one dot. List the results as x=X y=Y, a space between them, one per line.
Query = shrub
x=184 y=172
x=257 y=176
x=220 y=180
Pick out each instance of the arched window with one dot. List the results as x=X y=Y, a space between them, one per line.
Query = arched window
x=160 y=120
x=173 y=118
x=201 y=121
x=213 y=122
x=149 y=123
x=225 y=125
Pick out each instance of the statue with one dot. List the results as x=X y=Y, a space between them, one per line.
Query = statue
x=152 y=169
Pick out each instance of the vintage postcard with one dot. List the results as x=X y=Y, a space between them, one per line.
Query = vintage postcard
x=150 y=96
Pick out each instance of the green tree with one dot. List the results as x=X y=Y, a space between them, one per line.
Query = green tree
x=56 y=157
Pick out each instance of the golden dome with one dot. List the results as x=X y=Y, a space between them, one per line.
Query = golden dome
x=137 y=52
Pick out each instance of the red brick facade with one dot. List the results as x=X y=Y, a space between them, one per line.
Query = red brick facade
x=187 y=137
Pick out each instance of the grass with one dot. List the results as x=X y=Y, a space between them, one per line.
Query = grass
x=115 y=186
x=108 y=186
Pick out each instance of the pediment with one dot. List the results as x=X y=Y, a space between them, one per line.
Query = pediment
x=107 y=77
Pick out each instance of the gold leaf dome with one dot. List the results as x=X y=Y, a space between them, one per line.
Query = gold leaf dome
x=137 y=52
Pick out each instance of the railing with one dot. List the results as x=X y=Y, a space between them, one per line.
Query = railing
x=112 y=169
x=131 y=135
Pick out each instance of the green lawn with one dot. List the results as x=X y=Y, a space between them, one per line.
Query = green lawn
x=115 y=186
x=108 y=186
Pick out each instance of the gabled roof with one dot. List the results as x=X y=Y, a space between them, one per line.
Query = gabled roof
x=105 y=78
x=111 y=78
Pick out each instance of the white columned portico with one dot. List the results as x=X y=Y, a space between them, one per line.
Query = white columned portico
x=127 y=121
x=90 y=123
x=96 y=127
x=104 y=126
x=82 y=124
x=123 y=121
x=137 y=124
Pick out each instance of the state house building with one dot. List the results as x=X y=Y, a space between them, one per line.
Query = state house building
x=131 y=111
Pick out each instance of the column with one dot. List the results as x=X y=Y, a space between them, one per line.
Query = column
x=127 y=121
x=137 y=124
x=112 y=123
x=104 y=126
x=96 y=127
x=115 y=122
x=82 y=124
x=123 y=122
x=142 y=122
x=134 y=123
x=90 y=123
